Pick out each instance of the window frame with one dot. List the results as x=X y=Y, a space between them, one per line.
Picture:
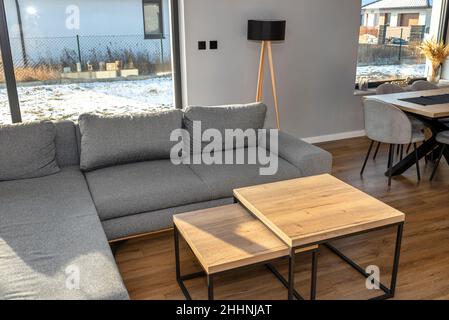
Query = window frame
x=161 y=20
x=443 y=34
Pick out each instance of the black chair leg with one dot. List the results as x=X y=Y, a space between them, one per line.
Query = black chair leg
x=402 y=152
x=408 y=148
x=437 y=163
x=377 y=150
x=418 y=172
x=390 y=164
x=367 y=157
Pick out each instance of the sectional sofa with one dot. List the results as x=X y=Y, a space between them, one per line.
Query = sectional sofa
x=68 y=189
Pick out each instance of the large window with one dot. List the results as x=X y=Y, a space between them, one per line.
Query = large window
x=391 y=32
x=88 y=56
x=153 y=19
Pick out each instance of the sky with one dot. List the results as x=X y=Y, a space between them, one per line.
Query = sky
x=365 y=2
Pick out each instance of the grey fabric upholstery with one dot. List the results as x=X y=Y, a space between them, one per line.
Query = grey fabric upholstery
x=153 y=221
x=27 y=151
x=388 y=124
x=49 y=229
x=108 y=141
x=249 y=116
x=307 y=158
x=422 y=85
x=388 y=88
x=142 y=187
x=67 y=153
x=443 y=137
x=221 y=180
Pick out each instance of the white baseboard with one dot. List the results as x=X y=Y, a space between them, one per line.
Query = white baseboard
x=336 y=136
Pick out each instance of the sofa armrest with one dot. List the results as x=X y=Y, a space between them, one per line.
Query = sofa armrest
x=309 y=159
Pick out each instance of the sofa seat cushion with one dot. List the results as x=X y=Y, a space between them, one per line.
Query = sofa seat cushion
x=221 y=180
x=146 y=186
x=49 y=234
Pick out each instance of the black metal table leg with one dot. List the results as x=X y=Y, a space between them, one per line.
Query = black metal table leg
x=291 y=273
x=397 y=254
x=210 y=286
x=179 y=278
x=388 y=292
x=314 y=275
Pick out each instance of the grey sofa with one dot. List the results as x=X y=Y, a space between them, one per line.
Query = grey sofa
x=52 y=224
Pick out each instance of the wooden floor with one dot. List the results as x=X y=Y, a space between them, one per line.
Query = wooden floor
x=147 y=264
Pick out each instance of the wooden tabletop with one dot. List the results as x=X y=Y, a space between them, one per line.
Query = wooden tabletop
x=314 y=209
x=434 y=111
x=228 y=237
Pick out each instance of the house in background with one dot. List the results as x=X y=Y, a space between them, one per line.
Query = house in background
x=40 y=32
x=405 y=19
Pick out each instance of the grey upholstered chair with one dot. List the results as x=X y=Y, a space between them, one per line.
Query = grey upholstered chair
x=390 y=88
x=422 y=85
x=386 y=123
x=443 y=139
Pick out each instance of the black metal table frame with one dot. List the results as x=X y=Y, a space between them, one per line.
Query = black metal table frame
x=388 y=292
x=289 y=284
x=210 y=277
x=430 y=146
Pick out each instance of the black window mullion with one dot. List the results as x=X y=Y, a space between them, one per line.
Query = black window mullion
x=8 y=66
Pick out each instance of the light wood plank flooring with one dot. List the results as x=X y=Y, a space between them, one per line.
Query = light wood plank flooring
x=148 y=268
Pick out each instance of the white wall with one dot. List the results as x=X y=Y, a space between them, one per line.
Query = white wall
x=316 y=65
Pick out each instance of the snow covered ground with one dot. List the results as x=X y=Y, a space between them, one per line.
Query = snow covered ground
x=392 y=71
x=68 y=101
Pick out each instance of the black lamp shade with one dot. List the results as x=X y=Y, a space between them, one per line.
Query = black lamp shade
x=266 y=30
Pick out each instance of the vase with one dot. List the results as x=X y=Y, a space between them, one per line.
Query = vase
x=434 y=74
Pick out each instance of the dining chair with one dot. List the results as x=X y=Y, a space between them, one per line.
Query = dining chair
x=390 y=88
x=443 y=139
x=422 y=85
x=387 y=124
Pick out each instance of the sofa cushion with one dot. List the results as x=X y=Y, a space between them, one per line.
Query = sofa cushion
x=66 y=144
x=221 y=180
x=108 y=141
x=145 y=186
x=27 y=150
x=49 y=233
x=249 y=116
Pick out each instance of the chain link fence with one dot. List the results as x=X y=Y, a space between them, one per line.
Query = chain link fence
x=45 y=59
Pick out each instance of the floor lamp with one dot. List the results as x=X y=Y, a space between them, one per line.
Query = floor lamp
x=267 y=31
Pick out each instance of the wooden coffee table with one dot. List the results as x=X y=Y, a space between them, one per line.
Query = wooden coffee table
x=317 y=210
x=225 y=239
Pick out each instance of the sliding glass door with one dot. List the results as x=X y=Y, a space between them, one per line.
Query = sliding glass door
x=77 y=56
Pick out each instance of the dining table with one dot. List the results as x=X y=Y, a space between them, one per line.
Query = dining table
x=432 y=108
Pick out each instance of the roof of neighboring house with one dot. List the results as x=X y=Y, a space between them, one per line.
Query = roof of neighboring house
x=398 y=4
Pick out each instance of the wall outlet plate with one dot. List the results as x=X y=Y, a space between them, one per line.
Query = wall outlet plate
x=213 y=45
x=202 y=45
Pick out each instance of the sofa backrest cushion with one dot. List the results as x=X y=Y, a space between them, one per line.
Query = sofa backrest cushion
x=244 y=116
x=27 y=151
x=67 y=153
x=109 y=141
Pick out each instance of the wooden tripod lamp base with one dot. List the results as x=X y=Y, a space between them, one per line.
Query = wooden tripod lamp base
x=267 y=31
x=266 y=46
